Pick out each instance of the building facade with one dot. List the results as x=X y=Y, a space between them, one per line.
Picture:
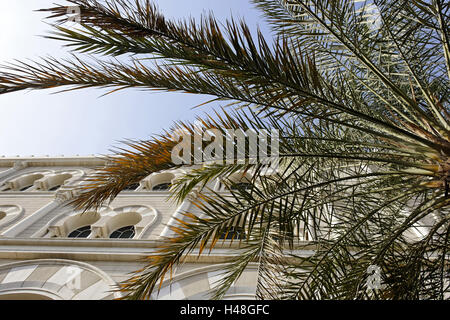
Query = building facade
x=50 y=251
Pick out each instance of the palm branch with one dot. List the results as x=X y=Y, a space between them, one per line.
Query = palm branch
x=358 y=92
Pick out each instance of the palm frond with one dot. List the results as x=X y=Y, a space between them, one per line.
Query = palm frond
x=358 y=93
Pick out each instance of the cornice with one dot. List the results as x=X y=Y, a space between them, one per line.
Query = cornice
x=126 y=250
x=81 y=161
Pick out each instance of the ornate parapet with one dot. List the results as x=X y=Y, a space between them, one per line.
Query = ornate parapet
x=19 y=165
x=65 y=194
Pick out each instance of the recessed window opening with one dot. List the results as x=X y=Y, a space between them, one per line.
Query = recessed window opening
x=82 y=232
x=241 y=186
x=124 y=232
x=162 y=186
x=131 y=187
x=233 y=233
x=54 y=188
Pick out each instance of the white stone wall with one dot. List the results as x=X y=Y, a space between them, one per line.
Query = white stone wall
x=32 y=262
x=28 y=203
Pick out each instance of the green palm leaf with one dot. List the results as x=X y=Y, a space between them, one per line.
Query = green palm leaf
x=358 y=92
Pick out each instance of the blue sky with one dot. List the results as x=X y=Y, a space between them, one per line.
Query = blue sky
x=81 y=122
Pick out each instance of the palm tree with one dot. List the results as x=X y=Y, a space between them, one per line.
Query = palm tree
x=358 y=91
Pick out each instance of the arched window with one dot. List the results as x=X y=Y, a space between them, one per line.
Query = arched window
x=124 y=232
x=241 y=186
x=239 y=181
x=9 y=213
x=26 y=187
x=54 y=188
x=158 y=181
x=76 y=225
x=41 y=181
x=233 y=233
x=23 y=182
x=82 y=232
x=131 y=187
x=162 y=186
x=55 y=181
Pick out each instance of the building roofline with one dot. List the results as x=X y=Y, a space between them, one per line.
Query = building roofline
x=31 y=161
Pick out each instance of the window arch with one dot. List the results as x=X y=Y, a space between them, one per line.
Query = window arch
x=9 y=214
x=124 y=232
x=54 y=188
x=131 y=187
x=161 y=181
x=236 y=181
x=26 y=187
x=53 y=182
x=198 y=284
x=23 y=182
x=123 y=224
x=48 y=281
x=128 y=221
x=241 y=186
x=75 y=225
x=41 y=180
x=82 y=232
x=233 y=233
x=162 y=186
x=101 y=223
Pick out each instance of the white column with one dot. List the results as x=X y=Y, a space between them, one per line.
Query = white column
x=311 y=229
x=25 y=223
x=18 y=165
x=178 y=214
x=8 y=172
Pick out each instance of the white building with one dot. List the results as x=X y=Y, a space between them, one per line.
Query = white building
x=49 y=251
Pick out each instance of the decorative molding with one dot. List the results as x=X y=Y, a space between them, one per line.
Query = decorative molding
x=93 y=283
x=109 y=220
x=12 y=214
x=188 y=288
x=19 y=165
x=63 y=195
x=160 y=177
x=55 y=227
x=24 y=224
x=42 y=180
x=141 y=217
x=179 y=213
